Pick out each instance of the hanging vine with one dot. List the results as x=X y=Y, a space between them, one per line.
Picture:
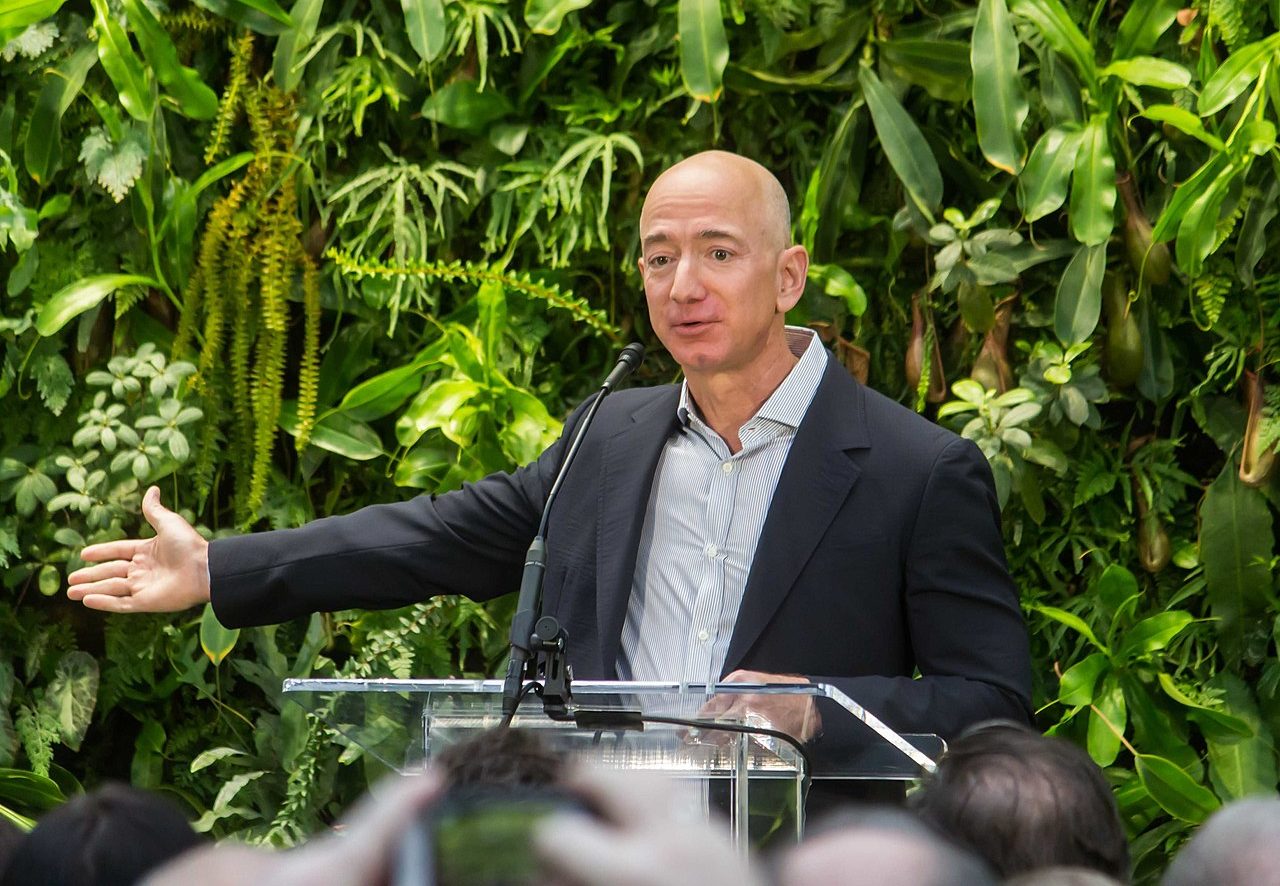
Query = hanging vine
x=250 y=260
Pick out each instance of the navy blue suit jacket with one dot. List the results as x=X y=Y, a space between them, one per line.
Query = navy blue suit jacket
x=881 y=556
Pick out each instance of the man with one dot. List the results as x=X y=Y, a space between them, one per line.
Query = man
x=1023 y=802
x=768 y=519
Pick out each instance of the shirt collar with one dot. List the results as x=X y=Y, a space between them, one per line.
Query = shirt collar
x=790 y=400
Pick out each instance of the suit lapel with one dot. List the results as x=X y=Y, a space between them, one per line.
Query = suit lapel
x=629 y=460
x=815 y=483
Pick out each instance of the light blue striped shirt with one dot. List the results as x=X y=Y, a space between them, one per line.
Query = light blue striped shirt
x=705 y=513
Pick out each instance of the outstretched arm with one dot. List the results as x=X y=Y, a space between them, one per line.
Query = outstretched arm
x=166 y=573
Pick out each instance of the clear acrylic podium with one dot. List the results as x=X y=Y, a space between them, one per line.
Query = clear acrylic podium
x=758 y=781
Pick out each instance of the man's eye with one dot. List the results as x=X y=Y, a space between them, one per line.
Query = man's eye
x=659 y=261
x=720 y=254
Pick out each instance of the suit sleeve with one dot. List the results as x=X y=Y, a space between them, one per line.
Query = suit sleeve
x=471 y=541
x=967 y=632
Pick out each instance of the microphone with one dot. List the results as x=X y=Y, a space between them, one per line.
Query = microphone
x=529 y=602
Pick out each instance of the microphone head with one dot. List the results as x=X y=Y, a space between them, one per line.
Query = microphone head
x=632 y=355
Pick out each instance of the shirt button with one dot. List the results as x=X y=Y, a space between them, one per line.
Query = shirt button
x=711 y=550
x=704 y=635
x=727 y=467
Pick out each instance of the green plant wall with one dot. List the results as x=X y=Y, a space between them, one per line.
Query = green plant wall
x=284 y=262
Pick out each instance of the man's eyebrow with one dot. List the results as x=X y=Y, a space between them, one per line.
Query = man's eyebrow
x=658 y=237
x=718 y=234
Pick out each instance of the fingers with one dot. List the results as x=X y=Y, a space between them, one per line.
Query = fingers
x=155 y=512
x=111 y=587
x=627 y=797
x=113 y=569
x=582 y=851
x=108 y=603
x=124 y=549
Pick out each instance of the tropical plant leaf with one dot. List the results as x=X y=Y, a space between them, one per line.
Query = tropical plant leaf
x=1042 y=186
x=1073 y=621
x=1236 y=543
x=292 y=44
x=903 y=144
x=72 y=695
x=1061 y=33
x=545 y=16
x=216 y=640
x=1240 y=766
x=1079 y=300
x=42 y=150
x=1176 y=792
x=1148 y=71
x=15 y=15
x=72 y=301
x=704 y=48
x=1143 y=25
x=999 y=102
x=1240 y=69
x=194 y=97
x=1093 y=185
x=121 y=64
x=1081 y=679
x=427 y=26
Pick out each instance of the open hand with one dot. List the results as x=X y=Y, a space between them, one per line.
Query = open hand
x=796 y=715
x=167 y=573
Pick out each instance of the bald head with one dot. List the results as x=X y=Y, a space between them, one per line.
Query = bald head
x=742 y=180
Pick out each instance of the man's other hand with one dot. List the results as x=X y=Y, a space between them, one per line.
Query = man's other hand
x=796 y=715
x=167 y=573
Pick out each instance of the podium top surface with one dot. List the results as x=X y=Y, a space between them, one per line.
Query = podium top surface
x=405 y=722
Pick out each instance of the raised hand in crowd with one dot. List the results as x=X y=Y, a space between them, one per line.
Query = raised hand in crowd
x=166 y=573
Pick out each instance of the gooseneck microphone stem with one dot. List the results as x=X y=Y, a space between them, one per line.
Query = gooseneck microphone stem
x=529 y=602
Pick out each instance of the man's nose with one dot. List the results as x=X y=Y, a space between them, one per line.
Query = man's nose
x=686 y=283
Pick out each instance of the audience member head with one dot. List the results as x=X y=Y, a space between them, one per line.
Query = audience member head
x=1023 y=801
x=10 y=836
x=878 y=846
x=500 y=758
x=1239 y=844
x=112 y=836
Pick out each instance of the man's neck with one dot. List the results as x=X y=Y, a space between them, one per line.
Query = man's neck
x=727 y=399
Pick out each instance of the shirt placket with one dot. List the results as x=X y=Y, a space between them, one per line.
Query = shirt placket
x=708 y=604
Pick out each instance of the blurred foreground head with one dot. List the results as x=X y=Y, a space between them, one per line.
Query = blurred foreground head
x=10 y=837
x=1023 y=802
x=500 y=758
x=112 y=836
x=1239 y=844
x=878 y=847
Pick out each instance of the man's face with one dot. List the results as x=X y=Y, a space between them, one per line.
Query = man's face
x=716 y=276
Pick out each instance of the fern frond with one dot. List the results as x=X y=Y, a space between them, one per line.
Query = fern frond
x=480 y=274
x=232 y=97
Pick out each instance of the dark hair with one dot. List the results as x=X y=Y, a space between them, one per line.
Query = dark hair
x=10 y=836
x=500 y=758
x=1239 y=844
x=919 y=853
x=113 y=836
x=1023 y=801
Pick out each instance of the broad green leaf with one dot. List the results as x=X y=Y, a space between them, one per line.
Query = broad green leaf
x=903 y=144
x=1093 y=185
x=1198 y=232
x=194 y=97
x=337 y=433
x=207 y=758
x=42 y=151
x=1184 y=121
x=1042 y=186
x=428 y=29
x=999 y=102
x=216 y=641
x=820 y=222
x=148 y=765
x=36 y=793
x=382 y=394
x=1143 y=25
x=1153 y=634
x=73 y=300
x=50 y=580
x=424 y=467
x=940 y=67
x=1240 y=766
x=1153 y=728
x=1147 y=71
x=1155 y=381
x=1073 y=621
x=463 y=105
x=186 y=199
x=1107 y=722
x=71 y=696
x=1176 y=792
x=545 y=16
x=1236 y=544
x=1079 y=681
x=704 y=49
x=1079 y=300
x=839 y=283
x=1211 y=720
x=1116 y=587
x=1061 y=33
x=16 y=15
x=121 y=64
x=1187 y=193
x=1241 y=68
x=1251 y=245
x=262 y=16
x=434 y=408
x=292 y=44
